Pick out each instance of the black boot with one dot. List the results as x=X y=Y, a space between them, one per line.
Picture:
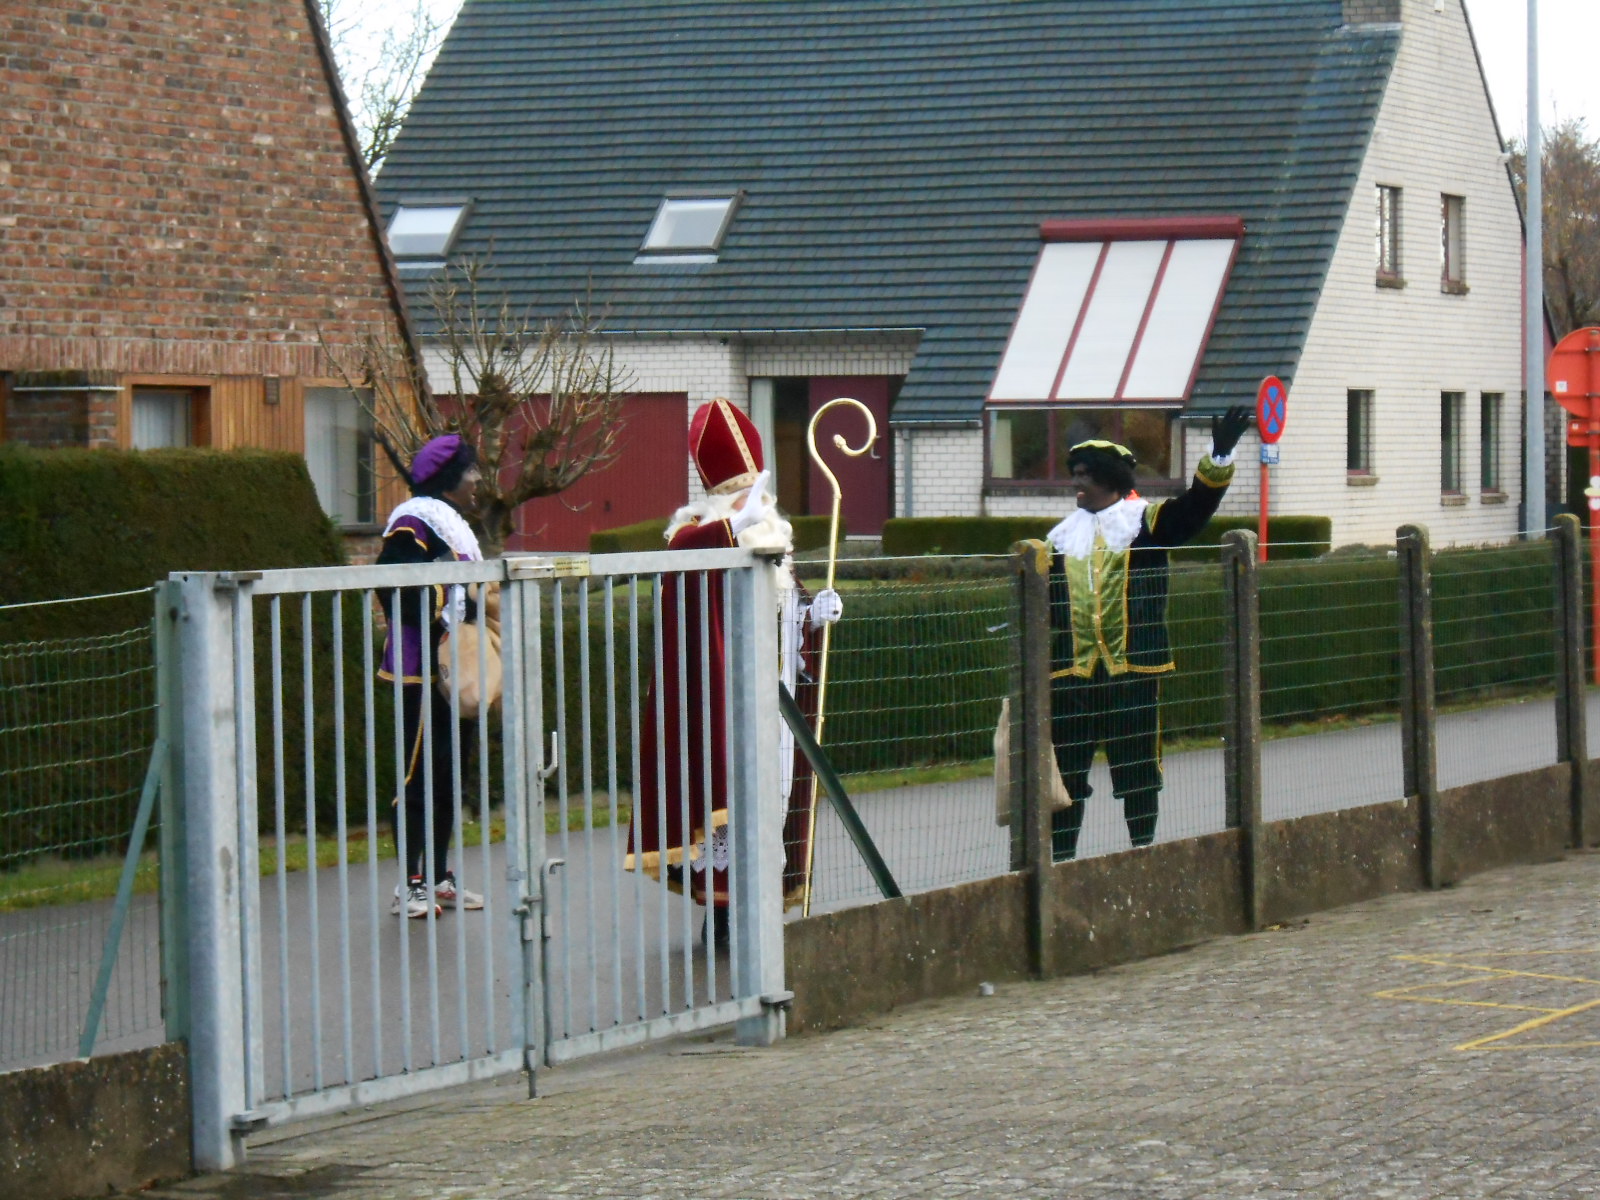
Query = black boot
x=1065 y=824
x=1140 y=809
x=724 y=934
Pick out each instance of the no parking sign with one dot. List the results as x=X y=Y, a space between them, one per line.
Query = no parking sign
x=1272 y=409
x=1272 y=414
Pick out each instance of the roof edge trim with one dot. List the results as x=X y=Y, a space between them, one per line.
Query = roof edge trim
x=1142 y=229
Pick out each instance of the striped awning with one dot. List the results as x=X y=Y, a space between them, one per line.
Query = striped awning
x=1118 y=312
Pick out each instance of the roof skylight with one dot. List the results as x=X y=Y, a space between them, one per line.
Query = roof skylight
x=424 y=231
x=690 y=225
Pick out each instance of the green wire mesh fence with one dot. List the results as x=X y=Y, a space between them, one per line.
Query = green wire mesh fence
x=77 y=727
x=1494 y=649
x=916 y=674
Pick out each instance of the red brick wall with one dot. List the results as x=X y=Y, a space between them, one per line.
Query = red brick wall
x=179 y=197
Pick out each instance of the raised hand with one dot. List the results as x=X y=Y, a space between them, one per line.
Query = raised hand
x=826 y=608
x=1227 y=428
x=755 y=509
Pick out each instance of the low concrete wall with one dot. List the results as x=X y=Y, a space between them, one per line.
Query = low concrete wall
x=96 y=1125
x=845 y=965
x=1520 y=818
x=1311 y=864
x=848 y=965
x=1122 y=907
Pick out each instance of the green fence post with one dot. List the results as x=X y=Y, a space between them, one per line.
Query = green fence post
x=1418 y=710
x=1032 y=759
x=1572 y=738
x=1242 y=715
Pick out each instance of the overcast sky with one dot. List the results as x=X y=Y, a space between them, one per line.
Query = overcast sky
x=1569 y=59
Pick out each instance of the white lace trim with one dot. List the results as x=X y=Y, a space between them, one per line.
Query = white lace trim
x=443 y=520
x=719 y=852
x=1118 y=524
x=773 y=534
x=457 y=534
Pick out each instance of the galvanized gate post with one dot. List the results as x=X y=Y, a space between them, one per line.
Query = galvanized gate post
x=756 y=827
x=205 y=760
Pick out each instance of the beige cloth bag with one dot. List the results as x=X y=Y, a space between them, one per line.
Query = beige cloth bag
x=1002 y=771
x=476 y=685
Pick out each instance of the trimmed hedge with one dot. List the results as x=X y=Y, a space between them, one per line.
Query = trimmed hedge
x=84 y=522
x=80 y=676
x=630 y=539
x=907 y=536
x=810 y=533
x=1305 y=537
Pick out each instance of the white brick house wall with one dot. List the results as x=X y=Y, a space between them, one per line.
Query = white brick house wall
x=1434 y=135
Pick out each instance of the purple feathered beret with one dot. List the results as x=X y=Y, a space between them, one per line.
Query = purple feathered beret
x=437 y=454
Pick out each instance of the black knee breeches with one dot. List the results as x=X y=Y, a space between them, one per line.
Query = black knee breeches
x=430 y=827
x=1123 y=714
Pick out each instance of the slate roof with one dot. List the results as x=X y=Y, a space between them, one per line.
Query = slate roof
x=898 y=157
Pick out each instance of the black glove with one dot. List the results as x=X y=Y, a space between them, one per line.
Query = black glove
x=1228 y=428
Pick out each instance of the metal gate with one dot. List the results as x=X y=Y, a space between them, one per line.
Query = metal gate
x=313 y=982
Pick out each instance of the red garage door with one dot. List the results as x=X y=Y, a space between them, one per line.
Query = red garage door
x=648 y=479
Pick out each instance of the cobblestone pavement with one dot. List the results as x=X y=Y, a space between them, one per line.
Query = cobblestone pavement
x=1430 y=1045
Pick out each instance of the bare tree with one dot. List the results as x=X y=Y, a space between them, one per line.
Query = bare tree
x=540 y=399
x=380 y=76
x=1571 y=222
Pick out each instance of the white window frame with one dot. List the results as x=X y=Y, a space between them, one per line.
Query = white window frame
x=339 y=453
x=438 y=224
x=1452 y=243
x=1391 y=230
x=676 y=232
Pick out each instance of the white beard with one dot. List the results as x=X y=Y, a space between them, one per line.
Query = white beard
x=773 y=535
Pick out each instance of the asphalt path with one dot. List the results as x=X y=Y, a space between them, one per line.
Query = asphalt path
x=409 y=993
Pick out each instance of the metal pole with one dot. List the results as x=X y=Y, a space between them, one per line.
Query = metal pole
x=206 y=781
x=1571 y=719
x=757 y=830
x=1533 y=265
x=1242 y=753
x=1261 y=533
x=1418 y=708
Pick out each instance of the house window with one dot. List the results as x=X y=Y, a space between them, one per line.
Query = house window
x=1389 y=236
x=1452 y=244
x=689 y=225
x=339 y=453
x=422 y=234
x=164 y=417
x=1489 y=442
x=1358 y=431
x=1031 y=445
x=1450 y=411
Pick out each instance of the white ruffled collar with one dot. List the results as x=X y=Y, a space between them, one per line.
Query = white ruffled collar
x=443 y=520
x=1117 y=525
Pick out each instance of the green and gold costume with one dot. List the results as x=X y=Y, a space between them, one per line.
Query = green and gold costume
x=1109 y=647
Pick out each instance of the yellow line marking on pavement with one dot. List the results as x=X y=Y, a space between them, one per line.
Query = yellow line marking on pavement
x=1537 y=1022
x=1486 y=973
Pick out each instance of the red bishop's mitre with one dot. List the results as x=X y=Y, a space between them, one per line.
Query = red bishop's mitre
x=725 y=447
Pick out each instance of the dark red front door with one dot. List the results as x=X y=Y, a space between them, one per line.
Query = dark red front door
x=866 y=482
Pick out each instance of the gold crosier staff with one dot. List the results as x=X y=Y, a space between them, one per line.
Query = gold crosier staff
x=827 y=630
